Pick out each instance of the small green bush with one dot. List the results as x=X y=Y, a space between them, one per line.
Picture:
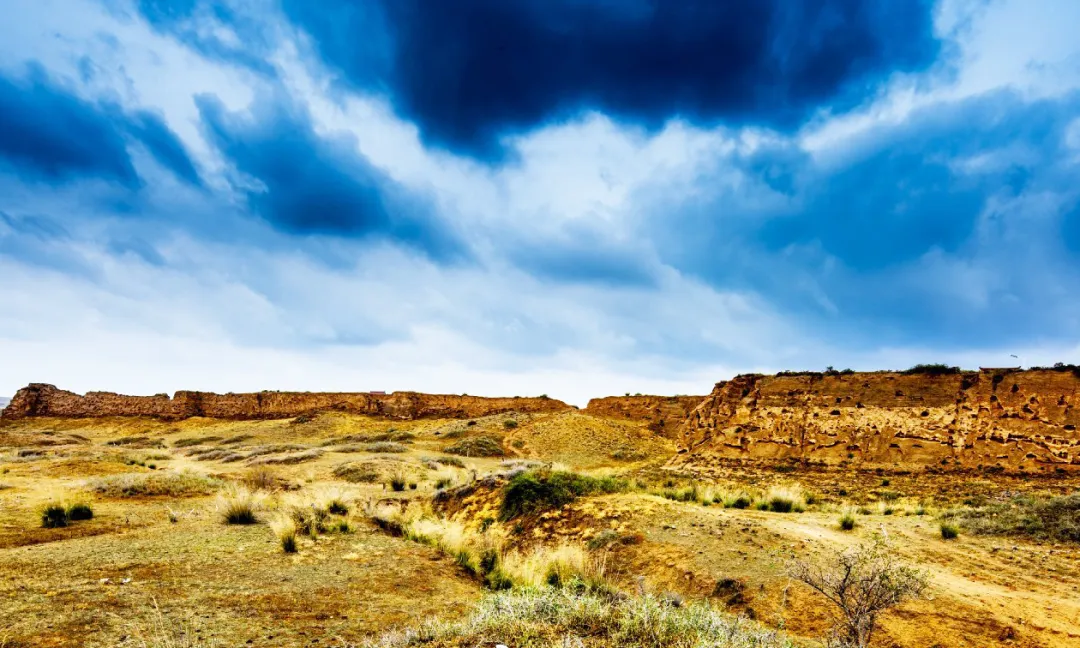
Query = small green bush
x=54 y=516
x=397 y=483
x=288 y=542
x=510 y=424
x=537 y=490
x=80 y=511
x=847 y=521
x=949 y=531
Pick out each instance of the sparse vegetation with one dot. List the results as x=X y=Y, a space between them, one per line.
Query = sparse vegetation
x=385 y=446
x=79 y=511
x=284 y=529
x=949 y=531
x=784 y=499
x=54 y=516
x=262 y=478
x=1054 y=519
x=538 y=490
x=194 y=441
x=861 y=583
x=847 y=521
x=239 y=506
x=549 y=616
x=397 y=482
x=481 y=446
x=172 y=484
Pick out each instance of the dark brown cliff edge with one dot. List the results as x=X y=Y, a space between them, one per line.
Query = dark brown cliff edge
x=989 y=419
x=46 y=400
x=665 y=414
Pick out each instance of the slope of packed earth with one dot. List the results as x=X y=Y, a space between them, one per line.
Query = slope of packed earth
x=663 y=414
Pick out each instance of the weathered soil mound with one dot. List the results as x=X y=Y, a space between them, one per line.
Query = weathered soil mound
x=997 y=419
x=664 y=414
x=46 y=400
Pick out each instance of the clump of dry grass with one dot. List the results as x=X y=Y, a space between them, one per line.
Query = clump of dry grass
x=783 y=499
x=239 y=506
x=171 y=484
x=483 y=556
x=262 y=478
x=550 y=616
x=284 y=527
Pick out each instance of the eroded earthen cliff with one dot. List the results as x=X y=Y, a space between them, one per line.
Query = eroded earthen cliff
x=47 y=400
x=665 y=414
x=990 y=418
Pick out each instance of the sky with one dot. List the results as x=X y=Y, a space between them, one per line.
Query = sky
x=520 y=197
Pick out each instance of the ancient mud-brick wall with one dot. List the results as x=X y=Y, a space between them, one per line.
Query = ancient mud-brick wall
x=47 y=400
x=665 y=414
x=1008 y=418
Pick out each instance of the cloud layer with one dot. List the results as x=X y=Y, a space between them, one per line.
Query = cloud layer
x=575 y=197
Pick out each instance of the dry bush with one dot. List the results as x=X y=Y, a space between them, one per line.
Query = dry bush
x=376 y=469
x=434 y=463
x=194 y=441
x=385 y=446
x=289 y=459
x=1055 y=519
x=262 y=478
x=861 y=583
x=172 y=484
x=550 y=616
x=137 y=442
x=481 y=446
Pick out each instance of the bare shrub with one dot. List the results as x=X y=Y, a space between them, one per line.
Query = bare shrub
x=861 y=582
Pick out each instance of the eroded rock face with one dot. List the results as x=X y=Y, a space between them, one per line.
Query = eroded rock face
x=1007 y=418
x=46 y=400
x=665 y=414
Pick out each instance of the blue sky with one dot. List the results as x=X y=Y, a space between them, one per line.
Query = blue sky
x=572 y=197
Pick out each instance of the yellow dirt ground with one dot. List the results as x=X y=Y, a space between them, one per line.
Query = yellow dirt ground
x=109 y=581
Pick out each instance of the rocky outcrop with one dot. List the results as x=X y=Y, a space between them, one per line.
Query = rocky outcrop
x=47 y=400
x=665 y=414
x=992 y=418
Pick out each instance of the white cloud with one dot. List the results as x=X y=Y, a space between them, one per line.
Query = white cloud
x=227 y=315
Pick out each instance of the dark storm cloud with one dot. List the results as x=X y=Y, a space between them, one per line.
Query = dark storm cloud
x=469 y=71
x=312 y=185
x=52 y=135
x=978 y=195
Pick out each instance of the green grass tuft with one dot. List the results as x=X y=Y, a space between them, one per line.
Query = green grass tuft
x=80 y=511
x=54 y=516
x=538 y=490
